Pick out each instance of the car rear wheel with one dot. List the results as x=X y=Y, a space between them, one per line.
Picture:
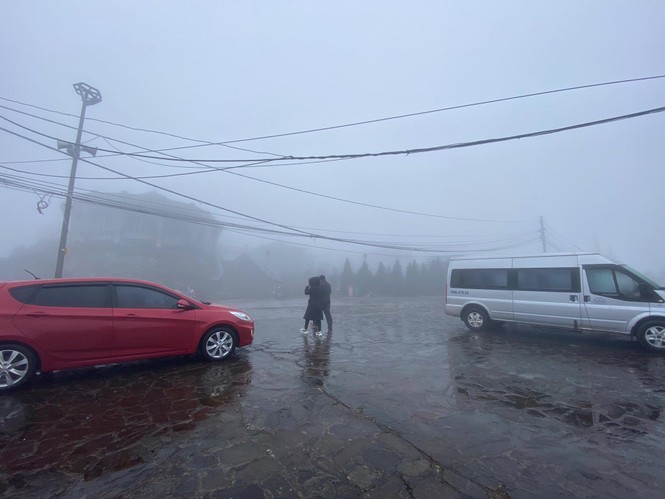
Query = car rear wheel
x=17 y=366
x=218 y=344
x=476 y=319
x=652 y=335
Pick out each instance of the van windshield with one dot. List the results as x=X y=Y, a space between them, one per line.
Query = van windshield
x=642 y=277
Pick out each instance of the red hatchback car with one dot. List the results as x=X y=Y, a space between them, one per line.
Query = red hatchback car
x=49 y=325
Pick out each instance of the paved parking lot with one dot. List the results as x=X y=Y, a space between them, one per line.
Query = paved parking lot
x=400 y=401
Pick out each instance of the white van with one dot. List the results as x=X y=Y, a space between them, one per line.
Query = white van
x=575 y=291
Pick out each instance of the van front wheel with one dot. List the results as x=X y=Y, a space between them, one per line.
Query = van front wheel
x=476 y=319
x=652 y=335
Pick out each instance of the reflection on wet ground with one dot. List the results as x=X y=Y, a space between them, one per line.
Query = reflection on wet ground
x=401 y=401
x=92 y=421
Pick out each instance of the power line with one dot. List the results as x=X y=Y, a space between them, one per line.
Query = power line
x=358 y=203
x=227 y=170
x=383 y=153
x=352 y=124
x=108 y=201
x=291 y=231
x=406 y=152
x=412 y=151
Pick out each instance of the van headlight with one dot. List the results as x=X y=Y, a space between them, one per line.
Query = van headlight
x=241 y=315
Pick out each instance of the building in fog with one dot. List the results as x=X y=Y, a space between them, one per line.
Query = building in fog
x=144 y=236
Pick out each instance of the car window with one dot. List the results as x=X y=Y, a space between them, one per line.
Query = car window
x=23 y=293
x=73 y=295
x=143 y=297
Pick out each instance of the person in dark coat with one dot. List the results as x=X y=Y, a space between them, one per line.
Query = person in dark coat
x=327 y=291
x=314 y=311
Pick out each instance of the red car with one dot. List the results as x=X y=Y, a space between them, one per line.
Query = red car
x=49 y=325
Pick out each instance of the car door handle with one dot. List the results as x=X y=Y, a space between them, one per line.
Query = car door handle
x=574 y=298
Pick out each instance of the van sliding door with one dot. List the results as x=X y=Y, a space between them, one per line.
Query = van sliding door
x=548 y=296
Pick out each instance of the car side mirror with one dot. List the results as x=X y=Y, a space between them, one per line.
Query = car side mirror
x=184 y=305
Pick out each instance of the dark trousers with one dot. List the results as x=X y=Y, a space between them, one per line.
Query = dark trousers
x=326 y=312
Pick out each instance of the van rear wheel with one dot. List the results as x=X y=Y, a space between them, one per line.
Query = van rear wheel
x=652 y=335
x=476 y=319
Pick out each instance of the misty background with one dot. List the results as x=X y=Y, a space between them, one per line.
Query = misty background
x=254 y=136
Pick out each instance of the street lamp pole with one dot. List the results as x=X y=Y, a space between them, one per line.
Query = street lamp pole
x=90 y=96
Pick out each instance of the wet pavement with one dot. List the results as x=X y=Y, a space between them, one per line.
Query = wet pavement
x=400 y=401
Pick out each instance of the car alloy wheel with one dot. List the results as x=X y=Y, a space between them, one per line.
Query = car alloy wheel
x=218 y=344
x=17 y=365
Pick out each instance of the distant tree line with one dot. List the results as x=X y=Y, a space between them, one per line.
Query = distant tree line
x=417 y=279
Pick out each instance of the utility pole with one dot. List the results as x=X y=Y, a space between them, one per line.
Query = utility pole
x=90 y=96
x=542 y=234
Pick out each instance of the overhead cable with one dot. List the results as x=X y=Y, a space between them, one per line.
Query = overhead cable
x=357 y=123
x=291 y=231
x=257 y=162
x=406 y=152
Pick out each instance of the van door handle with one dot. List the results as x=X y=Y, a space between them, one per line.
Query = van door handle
x=587 y=298
x=574 y=298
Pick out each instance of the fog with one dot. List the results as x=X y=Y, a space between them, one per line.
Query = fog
x=176 y=76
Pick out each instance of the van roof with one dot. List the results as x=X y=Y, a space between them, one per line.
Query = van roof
x=533 y=255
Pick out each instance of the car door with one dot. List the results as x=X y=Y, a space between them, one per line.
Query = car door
x=612 y=298
x=69 y=323
x=147 y=322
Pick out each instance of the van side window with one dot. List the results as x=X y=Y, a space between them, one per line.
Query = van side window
x=549 y=279
x=613 y=284
x=601 y=282
x=628 y=286
x=479 y=278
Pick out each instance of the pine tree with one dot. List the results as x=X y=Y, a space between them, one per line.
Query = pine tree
x=381 y=280
x=364 y=280
x=346 y=279
x=412 y=283
x=396 y=280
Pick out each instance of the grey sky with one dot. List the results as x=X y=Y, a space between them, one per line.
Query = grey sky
x=221 y=71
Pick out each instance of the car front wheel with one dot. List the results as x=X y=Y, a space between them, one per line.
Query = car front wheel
x=652 y=335
x=17 y=366
x=476 y=319
x=218 y=344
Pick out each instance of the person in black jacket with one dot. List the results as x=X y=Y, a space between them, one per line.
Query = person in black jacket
x=314 y=311
x=327 y=291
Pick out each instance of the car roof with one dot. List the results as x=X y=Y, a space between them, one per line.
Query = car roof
x=65 y=280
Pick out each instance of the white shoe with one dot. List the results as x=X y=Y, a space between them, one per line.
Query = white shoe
x=319 y=333
x=304 y=331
